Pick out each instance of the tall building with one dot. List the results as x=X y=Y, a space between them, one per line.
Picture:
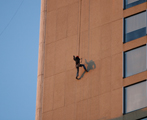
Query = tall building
x=110 y=37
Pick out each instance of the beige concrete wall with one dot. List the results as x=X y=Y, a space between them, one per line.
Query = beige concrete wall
x=98 y=95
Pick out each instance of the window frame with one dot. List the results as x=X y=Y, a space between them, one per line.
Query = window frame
x=125 y=6
x=124 y=26
x=124 y=99
x=124 y=60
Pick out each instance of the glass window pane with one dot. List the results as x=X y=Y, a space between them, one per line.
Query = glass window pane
x=135 y=61
x=135 y=97
x=131 y=3
x=135 y=26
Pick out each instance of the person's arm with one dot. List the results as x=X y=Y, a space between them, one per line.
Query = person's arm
x=74 y=58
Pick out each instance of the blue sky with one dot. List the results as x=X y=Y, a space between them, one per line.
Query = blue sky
x=19 y=38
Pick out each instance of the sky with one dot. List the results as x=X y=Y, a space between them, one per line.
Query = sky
x=19 y=40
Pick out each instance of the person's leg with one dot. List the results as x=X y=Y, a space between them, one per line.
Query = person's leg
x=77 y=73
x=82 y=65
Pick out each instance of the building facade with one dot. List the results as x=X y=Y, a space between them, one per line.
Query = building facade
x=110 y=37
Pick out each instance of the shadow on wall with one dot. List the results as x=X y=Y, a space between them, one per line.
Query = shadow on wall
x=90 y=66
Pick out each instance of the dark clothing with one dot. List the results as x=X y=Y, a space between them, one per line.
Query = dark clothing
x=77 y=60
x=80 y=65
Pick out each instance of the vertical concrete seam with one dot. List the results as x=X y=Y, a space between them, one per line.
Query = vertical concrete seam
x=54 y=74
x=111 y=89
x=65 y=79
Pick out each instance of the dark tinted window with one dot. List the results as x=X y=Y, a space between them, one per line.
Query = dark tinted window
x=135 y=26
x=131 y=3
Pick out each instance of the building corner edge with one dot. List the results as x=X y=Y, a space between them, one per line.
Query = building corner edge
x=40 y=76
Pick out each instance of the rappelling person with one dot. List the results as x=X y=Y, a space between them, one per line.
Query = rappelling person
x=77 y=60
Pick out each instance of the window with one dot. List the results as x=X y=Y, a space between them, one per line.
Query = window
x=135 y=26
x=135 y=97
x=135 y=61
x=131 y=3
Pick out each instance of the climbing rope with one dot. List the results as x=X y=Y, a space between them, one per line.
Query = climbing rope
x=78 y=49
x=12 y=18
x=79 y=27
x=89 y=30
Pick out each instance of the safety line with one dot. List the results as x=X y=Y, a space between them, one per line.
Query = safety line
x=89 y=30
x=11 y=18
x=80 y=12
x=78 y=52
x=90 y=82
